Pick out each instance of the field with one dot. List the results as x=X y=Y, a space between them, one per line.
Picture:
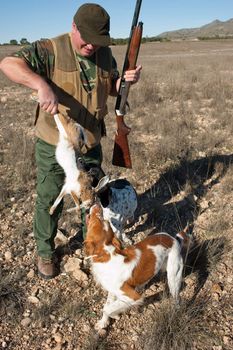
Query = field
x=181 y=146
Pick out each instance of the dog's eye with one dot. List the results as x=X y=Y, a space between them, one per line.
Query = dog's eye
x=88 y=211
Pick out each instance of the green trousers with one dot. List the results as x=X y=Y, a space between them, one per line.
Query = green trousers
x=50 y=179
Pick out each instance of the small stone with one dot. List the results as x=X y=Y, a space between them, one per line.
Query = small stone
x=216 y=288
x=35 y=291
x=204 y=204
x=60 y=239
x=58 y=338
x=72 y=265
x=26 y=321
x=58 y=347
x=26 y=313
x=79 y=275
x=86 y=328
x=3 y=99
x=226 y=340
x=8 y=255
x=33 y=300
x=31 y=273
x=124 y=346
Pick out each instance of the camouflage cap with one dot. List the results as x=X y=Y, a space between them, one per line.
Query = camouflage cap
x=93 y=23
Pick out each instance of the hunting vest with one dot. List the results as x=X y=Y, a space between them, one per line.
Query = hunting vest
x=86 y=108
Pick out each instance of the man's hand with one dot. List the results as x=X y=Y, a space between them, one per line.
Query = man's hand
x=133 y=75
x=17 y=70
x=47 y=99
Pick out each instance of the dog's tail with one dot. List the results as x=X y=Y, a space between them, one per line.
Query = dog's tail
x=174 y=270
x=175 y=261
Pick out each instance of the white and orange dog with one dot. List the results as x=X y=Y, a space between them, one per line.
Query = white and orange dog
x=121 y=272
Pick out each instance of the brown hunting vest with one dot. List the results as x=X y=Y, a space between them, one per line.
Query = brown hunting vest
x=87 y=108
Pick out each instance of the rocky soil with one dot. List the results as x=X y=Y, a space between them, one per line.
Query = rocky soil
x=61 y=313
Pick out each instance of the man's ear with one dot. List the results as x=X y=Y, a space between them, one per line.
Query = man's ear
x=73 y=27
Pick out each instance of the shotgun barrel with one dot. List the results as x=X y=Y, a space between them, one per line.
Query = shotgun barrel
x=121 y=153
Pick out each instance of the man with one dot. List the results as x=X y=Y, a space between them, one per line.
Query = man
x=73 y=73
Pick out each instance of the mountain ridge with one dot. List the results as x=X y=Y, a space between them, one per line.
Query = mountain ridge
x=216 y=28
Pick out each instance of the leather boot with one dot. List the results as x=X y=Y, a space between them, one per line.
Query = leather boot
x=46 y=268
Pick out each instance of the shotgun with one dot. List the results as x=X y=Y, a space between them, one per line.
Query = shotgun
x=121 y=154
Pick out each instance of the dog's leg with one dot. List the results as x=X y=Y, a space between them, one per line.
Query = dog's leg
x=58 y=200
x=104 y=321
x=121 y=305
x=127 y=298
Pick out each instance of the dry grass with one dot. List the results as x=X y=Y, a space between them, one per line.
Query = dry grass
x=181 y=147
x=180 y=328
x=11 y=298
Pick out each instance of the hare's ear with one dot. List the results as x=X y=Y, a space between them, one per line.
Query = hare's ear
x=83 y=135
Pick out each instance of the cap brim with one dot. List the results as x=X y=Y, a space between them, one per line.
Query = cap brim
x=100 y=40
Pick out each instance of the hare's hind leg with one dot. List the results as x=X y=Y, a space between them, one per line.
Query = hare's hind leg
x=58 y=200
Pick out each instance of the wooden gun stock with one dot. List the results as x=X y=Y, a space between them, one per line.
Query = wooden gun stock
x=121 y=154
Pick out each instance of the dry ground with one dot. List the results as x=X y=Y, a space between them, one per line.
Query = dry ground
x=181 y=144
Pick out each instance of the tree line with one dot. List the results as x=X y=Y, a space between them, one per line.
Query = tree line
x=124 y=41
x=119 y=41
x=23 y=41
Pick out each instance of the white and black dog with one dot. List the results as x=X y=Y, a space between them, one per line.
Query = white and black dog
x=118 y=199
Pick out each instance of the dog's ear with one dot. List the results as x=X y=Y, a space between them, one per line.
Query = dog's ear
x=110 y=237
x=89 y=247
x=96 y=210
x=116 y=243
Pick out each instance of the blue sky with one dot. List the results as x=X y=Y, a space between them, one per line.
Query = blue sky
x=35 y=19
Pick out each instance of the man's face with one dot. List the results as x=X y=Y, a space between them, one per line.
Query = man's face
x=82 y=48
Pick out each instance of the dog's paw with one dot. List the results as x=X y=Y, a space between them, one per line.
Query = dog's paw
x=115 y=317
x=101 y=325
x=101 y=332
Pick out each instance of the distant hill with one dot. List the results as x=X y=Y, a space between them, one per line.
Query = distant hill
x=214 y=29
